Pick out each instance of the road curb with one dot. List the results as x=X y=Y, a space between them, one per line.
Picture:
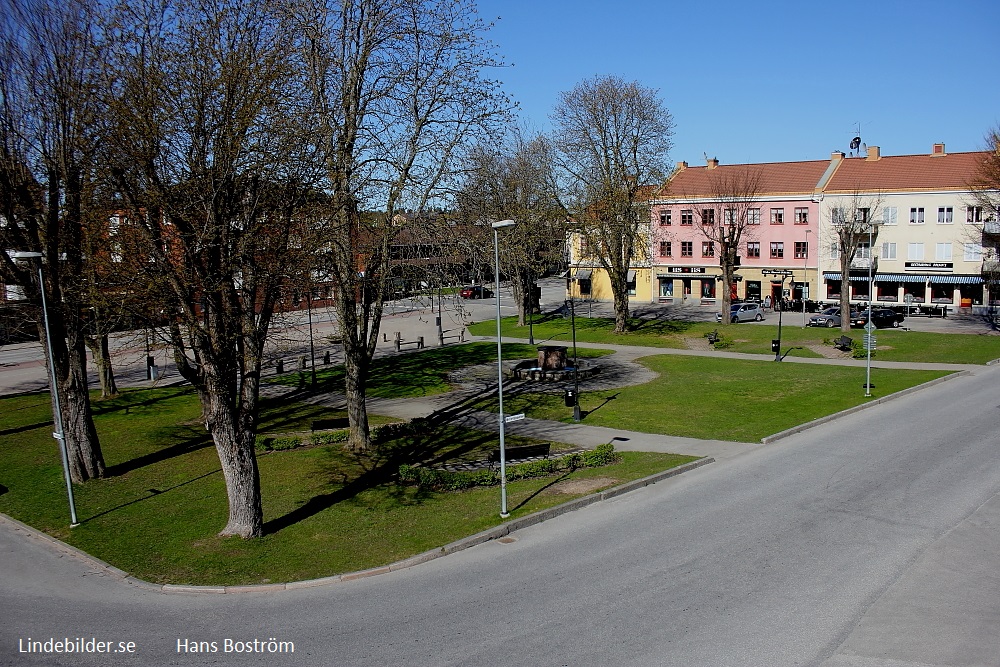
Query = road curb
x=490 y=534
x=858 y=408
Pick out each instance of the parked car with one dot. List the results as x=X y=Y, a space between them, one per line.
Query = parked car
x=881 y=318
x=828 y=318
x=476 y=292
x=743 y=312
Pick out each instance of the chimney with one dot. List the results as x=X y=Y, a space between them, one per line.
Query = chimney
x=873 y=154
x=937 y=150
x=713 y=163
x=836 y=156
x=681 y=164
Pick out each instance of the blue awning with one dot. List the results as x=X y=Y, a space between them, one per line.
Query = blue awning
x=853 y=279
x=958 y=280
x=900 y=278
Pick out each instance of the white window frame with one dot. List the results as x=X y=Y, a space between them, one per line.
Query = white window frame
x=888 y=250
x=890 y=215
x=942 y=252
x=972 y=252
x=946 y=215
x=915 y=252
x=917 y=215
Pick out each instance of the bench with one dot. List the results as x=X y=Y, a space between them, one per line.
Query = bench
x=398 y=342
x=714 y=337
x=521 y=452
x=843 y=343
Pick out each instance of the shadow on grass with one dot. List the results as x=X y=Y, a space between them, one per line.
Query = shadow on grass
x=561 y=477
x=26 y=427
x=605 y=402
x=183 y=447
x=152 y=494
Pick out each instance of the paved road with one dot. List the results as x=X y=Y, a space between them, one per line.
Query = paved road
x=871 y=541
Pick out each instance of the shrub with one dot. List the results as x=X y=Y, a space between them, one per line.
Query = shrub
x=428 y=478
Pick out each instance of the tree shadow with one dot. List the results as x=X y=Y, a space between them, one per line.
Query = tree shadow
x=607 y=400
x=152 y=493
x=181 y=448
x=25 y=428
x=541 y=489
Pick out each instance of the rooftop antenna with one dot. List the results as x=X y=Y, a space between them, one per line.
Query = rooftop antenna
x=856 y=142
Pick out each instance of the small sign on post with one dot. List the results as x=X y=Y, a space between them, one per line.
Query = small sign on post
x=513 y=418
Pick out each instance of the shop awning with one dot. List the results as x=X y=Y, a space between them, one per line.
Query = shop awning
x=957 y=280
x=631 y=277
x=853 y=279
x=899 y=278
x=583 y=274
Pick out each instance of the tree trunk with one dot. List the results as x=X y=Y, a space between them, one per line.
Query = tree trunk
x=102 y=360
x=355 y=381
x=845 y=291
x=621 y=313
x=234 y=442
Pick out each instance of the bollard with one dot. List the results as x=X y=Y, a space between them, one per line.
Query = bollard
x=326 y=358
x=420 y=342
x=279 y=367
x=302 y=363
x=441 y=338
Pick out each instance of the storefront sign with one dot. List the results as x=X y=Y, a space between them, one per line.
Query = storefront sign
x=931 y=266
x=686 y=269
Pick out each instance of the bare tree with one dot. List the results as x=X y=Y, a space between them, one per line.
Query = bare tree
x=516 y=181
x=50 y=121
x=212 y=168
x=854 y=228
x=982 y=215
x=397 y=90
x=612 y=137
x=729 y=219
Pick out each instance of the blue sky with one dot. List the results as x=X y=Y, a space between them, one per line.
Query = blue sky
x=769 y=81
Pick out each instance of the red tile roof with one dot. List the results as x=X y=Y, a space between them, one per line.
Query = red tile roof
x=951 y=171
x=776 y=178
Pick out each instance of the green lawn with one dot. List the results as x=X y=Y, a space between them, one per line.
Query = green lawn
x=713 y=398
x=422 y=373
x=893 y=344
x=326 y=509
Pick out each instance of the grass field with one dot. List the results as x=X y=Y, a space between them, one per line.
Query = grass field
x=713 y=398
x=893 y=344
x=327 y=510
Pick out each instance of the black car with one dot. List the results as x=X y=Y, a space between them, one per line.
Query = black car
x=881 y=318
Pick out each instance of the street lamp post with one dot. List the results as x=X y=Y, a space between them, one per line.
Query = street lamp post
x=497 y=226
x=805 y=276
x=782 y=274
x=59 y=434
x=869 y=327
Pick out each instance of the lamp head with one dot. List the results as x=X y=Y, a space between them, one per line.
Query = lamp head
x=503 y=224
x=24 y=254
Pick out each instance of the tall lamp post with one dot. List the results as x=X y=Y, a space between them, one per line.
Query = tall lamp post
x=57 y=420
x=497 y=226
x=869 y=327
x=805 y=276
x=782 y=274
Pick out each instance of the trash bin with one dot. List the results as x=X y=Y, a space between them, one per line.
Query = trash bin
x=775 y=345
x=570 y=398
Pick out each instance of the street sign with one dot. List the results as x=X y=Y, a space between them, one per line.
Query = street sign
x=869 y=341
x=513 y=418
x=869 y=327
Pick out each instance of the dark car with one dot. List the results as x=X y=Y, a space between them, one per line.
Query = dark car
x=881 y=318
x=828 y=318
x=476 y=292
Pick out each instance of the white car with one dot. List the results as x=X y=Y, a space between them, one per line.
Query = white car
x=743 y=312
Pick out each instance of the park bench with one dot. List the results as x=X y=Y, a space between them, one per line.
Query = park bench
x=843 y=343
x=714 y=337
x=521 y=452
x=398 y=342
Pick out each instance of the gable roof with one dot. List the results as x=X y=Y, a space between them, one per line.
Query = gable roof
x=951 y=171
x=776 y=178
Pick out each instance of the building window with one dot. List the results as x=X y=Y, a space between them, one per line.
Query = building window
x=863 y=252
x=583 y=246
x=753 y=216
x=838 y=216
x=917 y=216
x=777 y=250
x=834 y=250
x=863 y=216
x=777 y=216
x=888 y=251
x=687 y=217
x=666 y=287
x=665 y=218
x=973 y=252
x=707 y=249
x=730 y=216
x=890 y=215
x=973 y=213
x=942 y=252
x=945 y=216
x=708 y=216
x=801 y=215
x=665 y=249
x=915 y=251
x=687 y=248
x=753 y=249
x=801 y=249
